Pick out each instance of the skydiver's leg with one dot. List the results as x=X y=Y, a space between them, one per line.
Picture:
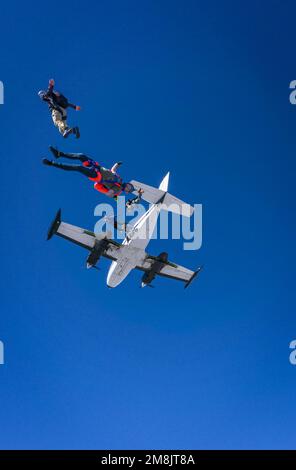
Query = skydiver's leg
x=72 y=156
x=75 y=156
x=89 y=172
x=58 y=121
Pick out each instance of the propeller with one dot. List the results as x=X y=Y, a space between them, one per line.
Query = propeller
x=93 y=267
x=147 y=285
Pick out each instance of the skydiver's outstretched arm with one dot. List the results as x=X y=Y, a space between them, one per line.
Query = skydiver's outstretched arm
x=50 y=88
x=74 y=106
x=115 y=167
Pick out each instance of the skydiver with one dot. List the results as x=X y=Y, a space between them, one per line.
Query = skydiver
x=135 y=200
x=106 y=181
x=58 y=105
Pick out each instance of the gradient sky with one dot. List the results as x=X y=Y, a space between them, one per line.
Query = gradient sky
x=197 y=88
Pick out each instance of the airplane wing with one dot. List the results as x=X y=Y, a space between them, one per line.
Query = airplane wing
x=101 y=246
x=170 y=270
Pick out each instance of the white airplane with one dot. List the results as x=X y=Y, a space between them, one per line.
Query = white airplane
x=131 y=253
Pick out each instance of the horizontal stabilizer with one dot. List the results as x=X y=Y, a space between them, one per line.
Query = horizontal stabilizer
x=193 y=277
x=151 y=194
x=169 y=202
x=175 y=205
x=54 y=225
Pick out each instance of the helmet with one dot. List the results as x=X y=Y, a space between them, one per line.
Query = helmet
x=128 y=187
x=41 y=94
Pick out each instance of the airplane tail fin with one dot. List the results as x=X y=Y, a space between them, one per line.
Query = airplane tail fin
x=161 y=196
x=165 y=183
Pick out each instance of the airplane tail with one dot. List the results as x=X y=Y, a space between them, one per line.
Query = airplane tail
x=165 y=182
x=161 y=196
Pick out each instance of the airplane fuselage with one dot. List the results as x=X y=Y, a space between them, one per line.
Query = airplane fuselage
x=132 y=251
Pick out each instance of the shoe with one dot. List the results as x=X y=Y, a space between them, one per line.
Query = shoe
x=76 y=132
x=46 y=162
x=67 y=132
x=56 y=153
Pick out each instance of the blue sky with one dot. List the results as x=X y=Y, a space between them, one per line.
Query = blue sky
x=201 y=90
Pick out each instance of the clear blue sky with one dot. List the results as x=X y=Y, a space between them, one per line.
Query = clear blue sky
x=197 y=88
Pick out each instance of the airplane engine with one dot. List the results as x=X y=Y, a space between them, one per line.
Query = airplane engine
x=159 y=262
x=96 y=252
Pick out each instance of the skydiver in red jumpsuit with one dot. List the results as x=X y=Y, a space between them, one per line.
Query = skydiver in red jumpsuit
x=106 y=181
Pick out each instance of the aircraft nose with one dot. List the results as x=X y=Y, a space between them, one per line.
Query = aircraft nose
x=111 y=279
x=110 y=283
